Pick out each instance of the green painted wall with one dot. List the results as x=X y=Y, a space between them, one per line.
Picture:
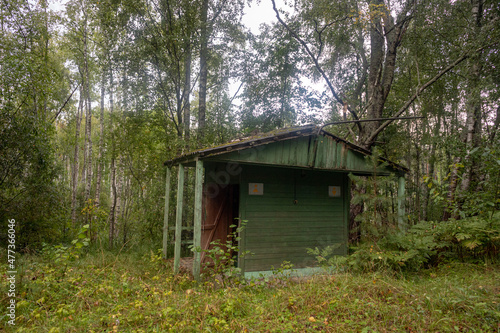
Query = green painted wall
x=278 y=229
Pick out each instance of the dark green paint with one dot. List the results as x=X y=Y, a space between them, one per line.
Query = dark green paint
x=321 y=152
x=294 y=214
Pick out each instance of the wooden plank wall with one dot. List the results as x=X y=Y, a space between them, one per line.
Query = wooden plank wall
x=279 y=228
x=322 y=153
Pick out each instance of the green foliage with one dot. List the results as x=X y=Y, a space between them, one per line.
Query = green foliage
x=34 y=84
x=425 y=245
x=472 y=239
x=284 y=271
x=223 y=257
x=483 y=197
x=125 y=293
x=485 y=200
x=96 y=215
x=325 y=256
x=62 y=254
x=275 y=95
x=376 y=195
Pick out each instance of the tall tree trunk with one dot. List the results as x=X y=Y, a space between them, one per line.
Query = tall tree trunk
x=74 y=176
x=376 y=103
x=88 y=166
x=127 y=201
x=453 y=162
x=84 y=112
x=187 y=94
x=355 y=210
x=119 y=178
x=496 y=124
x=473 y=123
x=187 y=111
x=418 y=185
x=431 y=164
x=101 y=146
x=112 y=215
x=202 y=93
x=88 y=117
x=449 y=209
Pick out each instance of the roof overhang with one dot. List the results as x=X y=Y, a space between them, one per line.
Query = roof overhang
x=267 y=138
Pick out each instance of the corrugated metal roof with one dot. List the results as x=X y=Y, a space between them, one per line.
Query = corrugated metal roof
x=266 y=138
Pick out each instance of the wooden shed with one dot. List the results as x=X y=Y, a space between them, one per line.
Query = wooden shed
x=290 y=186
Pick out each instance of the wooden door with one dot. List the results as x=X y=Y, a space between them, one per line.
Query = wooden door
x=217 y=218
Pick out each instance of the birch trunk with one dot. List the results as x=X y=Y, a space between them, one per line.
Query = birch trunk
x=473 y=123
x=127 y=200
x=88 y=118
x=187 y=94
x=118 y=198
x=431 y=166
x=76 y=164
x=101 y=147
x=112 y=215
x=202 y=94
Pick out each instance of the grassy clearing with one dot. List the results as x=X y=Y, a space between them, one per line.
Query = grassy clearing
x=130 y=293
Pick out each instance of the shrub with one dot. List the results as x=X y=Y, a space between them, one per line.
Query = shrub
x=222 y=259
x=426 y=244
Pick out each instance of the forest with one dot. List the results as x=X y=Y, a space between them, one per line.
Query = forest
x=95 y=95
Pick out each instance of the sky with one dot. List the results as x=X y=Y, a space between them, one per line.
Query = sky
x=263 y=12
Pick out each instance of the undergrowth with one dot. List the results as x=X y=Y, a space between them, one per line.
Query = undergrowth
x=425 y=245
x=110 y=292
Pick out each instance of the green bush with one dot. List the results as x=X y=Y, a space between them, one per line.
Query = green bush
x=222 y=259
x=476 y=239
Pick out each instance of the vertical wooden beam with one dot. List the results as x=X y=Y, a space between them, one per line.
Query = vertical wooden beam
x=198 y=198
x=347 y=209
x=178 y=218
x=243 y=195
x=165 y=216
x=401 y=203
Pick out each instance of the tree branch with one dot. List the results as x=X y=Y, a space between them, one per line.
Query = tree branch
x=217 y=12
x=66 y=102
x=418 y=92
x=316 y=62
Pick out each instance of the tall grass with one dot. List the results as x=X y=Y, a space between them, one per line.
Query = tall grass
x=126 y=292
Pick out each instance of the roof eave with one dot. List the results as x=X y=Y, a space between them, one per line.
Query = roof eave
x=249 y=143
x=307 y=130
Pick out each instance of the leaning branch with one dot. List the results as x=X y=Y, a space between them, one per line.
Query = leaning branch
x=315 y=60
x=417 y=94
x=66 y=102
x=366 y=121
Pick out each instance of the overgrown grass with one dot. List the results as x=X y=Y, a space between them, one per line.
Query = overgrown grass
x=106 y=292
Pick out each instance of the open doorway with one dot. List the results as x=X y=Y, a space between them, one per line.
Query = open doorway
x=220 y=212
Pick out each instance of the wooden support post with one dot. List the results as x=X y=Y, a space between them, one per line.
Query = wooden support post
x=165 y=216
x=178 y=219
x=198 y=198
x=346 y=196
x=401 y=203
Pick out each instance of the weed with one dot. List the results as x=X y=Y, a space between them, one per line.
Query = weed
x=222 y=259
x=118 y=293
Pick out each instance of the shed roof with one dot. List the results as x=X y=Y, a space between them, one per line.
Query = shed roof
x=305 y=134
